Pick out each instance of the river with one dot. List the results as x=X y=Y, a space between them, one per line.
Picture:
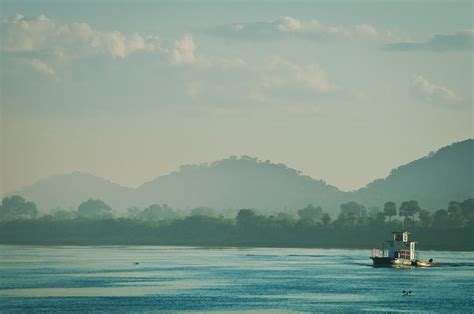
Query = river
x=161 y=278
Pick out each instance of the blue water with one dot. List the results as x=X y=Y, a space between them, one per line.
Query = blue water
x=67 y=278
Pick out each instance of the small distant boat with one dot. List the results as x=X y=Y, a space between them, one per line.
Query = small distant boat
x=399 y=252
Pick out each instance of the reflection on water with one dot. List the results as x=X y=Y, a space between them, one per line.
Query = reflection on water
x=71 y=278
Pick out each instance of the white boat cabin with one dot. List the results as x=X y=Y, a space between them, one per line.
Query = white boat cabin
x=398 y=248
x=401 y=247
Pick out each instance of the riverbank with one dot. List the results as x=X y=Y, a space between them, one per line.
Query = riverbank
x=215 y=232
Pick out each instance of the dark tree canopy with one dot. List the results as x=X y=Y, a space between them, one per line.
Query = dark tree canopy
x=353 y=209
x=63 y=214
x=133 y=212
x=352 y=214
x=409 y=208
x=390 y=209
x=158 y=224
x=245 y=217
x=326 y=219
x=455 y=212
x=467 y=207
x=158 y=212
x=94 y=209
x=204 y=211
x=426 y=219
x=16 y=207
x=441 y=218
x=311 y=213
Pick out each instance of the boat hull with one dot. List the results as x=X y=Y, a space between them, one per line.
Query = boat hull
x=382 y=261
x=424 y=264
x=392 y=262
x=398 y=262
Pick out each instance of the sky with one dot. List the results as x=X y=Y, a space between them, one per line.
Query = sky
x=344 y=91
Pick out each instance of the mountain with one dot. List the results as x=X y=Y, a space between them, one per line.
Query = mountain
x=434 y=180
x=247 y=182
x=239 y=183
x=229 y=183
x=69 y=190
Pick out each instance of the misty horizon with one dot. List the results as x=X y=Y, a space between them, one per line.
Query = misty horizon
x=209 y=163
x=341 y=97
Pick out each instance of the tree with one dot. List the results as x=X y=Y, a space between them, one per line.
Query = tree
x=158 y=212
x=326 y=219
x=203 y=211
x=455 y=213
x=426 y=219
x=352 y=213
x=245 y=217
x=133 y=212
x=311 y=213
x=16 y=207
x=441 y=218
x=373 y=212
x=286 y=219
x=467 y=207
x=94 y=209
x=379 y=219
x=390 y=209
x=409 y=208
x=354 y=208
x=62 y=214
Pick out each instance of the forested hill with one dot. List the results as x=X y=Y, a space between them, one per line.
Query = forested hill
x=246 y=182
x=434 y=180
x=69 y=190
x=234 y=183
x=240 y=183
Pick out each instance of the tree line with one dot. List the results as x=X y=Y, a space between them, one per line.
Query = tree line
x=93 y=222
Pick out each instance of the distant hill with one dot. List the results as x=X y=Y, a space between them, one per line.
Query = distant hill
x=69 y=190
x=239 y=183
x=246 y=182
x=434 y=180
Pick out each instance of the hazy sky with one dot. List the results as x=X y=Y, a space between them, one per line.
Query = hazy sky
x=129 y=90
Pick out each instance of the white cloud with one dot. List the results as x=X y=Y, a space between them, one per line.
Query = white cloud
x=280 y=73
x=40 y=66
x=276 y=82
x=183 y=51
x=45 y=45
x=43 y=36
x=434 y=94
x=289 y=24
x=311 y=29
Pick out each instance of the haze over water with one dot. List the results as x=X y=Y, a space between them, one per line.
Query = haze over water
x=66 y=278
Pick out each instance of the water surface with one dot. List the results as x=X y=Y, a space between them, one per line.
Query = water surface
x=99 y=278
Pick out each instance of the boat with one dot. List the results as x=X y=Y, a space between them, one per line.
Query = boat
x=399 y=252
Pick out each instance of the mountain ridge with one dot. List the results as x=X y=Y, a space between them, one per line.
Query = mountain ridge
x=248 y=182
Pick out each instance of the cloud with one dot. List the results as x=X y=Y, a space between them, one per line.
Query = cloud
x=40 y=66
x=279 y=73
x=434 y=94
x=297 y=87
x=274 y=83
x=43 y=35
x=462 y=40
x=183 y=51
x=44 y=44
x=292 y=27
